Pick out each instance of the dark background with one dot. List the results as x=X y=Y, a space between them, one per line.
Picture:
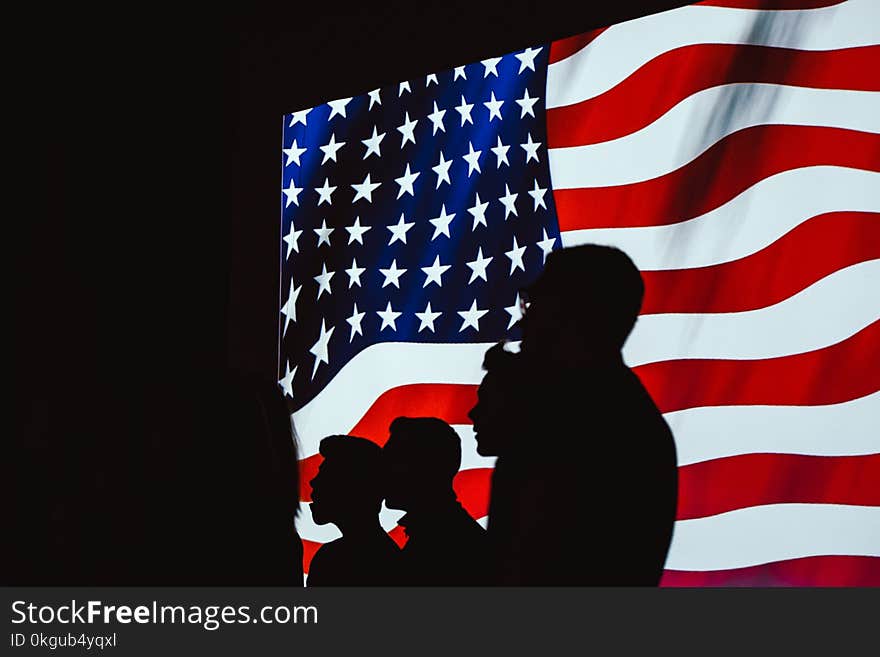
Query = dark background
x=150 y=248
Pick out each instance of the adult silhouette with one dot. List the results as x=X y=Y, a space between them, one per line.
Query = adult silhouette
x=445 y=546
x=347 y=492
x=585 y=491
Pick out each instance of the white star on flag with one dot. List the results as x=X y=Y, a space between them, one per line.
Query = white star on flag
x=478 y=266
x=337 y=107
x=427 y=318
x=515 y=312
x=354 y=274
x=437 y=119
x=478 y=211
x=319 y=349
x=289 y=308
x=299 y=117
x=355 y=322
x=494 y=107
x=389 y=317
x=509 y=202
x=406 y=182
x=365 y=190
x=471 y=317
x=527 y=59
x=286 y=382
x=392 y=275
x=373 y=142
x=407 y=131
x=527 y=104
x=356 y=231
x=442 y=170
x=538 y=194
x=546 y=245
x=465 y=110
x=441 y=223
x=292 y=194
x=331 y=148
x=472 y=157
x=323 y=233
x=293 y=153
x=398 y=231
x=501 y=152
x=434 y=273
x=323 y=281
x=516 y=256
x=491 y=65
x=292 y=240
x=325 y=192
x=531 y=148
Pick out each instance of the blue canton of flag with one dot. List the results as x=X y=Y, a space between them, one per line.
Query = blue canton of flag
x=413 y=213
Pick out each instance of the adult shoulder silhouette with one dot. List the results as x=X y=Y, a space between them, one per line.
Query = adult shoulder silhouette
x=445 y=545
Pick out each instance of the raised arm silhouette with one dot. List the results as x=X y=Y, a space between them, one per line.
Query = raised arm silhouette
x=585 y=488
x=347 y=492
x=445 y=546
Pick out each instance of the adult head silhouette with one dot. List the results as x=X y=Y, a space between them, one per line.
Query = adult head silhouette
x=421 y=458
x=445 y=545
x=496 y=413
x=582 y=307
x=347 y=490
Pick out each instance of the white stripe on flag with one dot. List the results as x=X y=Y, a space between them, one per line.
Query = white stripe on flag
x=711 y=432
x=774 y=532
x=703 y=119
x=623 y=48
x=762 y=214
x=378 y=368
x=827 y=312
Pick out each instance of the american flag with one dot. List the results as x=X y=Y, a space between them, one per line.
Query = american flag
x=731 y=149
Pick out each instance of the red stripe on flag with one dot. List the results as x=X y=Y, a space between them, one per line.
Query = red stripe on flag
x=806 y=254
x=666 y=80
x=844 y=371
x=472 y=488
x=807 y=571
x=563 y=48
x=721 y=485
x=449 y=402
x=723 y=171
x=398 y=535
x=309 y=549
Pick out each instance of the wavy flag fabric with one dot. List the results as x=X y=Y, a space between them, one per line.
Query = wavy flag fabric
x=732 y=149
